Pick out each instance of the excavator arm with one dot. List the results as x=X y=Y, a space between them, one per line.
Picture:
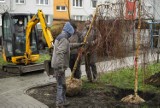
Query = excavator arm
x=24 y=61
x=39 y=17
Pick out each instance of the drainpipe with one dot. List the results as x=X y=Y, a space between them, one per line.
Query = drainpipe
x=158 y=47
x=69 y=16
x=10 y=5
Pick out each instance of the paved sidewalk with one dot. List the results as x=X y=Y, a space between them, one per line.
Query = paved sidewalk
x=12 y=90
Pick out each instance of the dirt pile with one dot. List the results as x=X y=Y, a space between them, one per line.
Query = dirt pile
x=107 y=97
x=74 y=86
x=154 y=80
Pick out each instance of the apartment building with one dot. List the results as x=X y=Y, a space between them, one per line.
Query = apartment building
x=156 y=9
x=28 y=7
x=81 y=9
x=78 y=9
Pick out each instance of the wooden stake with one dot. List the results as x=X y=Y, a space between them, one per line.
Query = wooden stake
x=137 y=49
x=135 y=98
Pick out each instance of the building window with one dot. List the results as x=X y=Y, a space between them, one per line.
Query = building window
x=20 y=1
x=61 y=8
x=47 y=18
x=2 y=0
x=77 y=3
x=94 y=3
x=46 y=1
x=149 y=8
x=78 y=17
x=42 y=2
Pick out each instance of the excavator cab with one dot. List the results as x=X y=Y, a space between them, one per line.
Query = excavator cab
x=14 y=36
x=20 y=41
x=14 y=44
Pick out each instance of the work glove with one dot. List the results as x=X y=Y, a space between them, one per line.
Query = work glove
x=82 y=44
x=93 y=42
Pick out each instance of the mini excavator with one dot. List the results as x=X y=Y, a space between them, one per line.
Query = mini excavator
x=20 y=49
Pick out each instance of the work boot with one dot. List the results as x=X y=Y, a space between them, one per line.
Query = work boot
x=66 y=103
x=94 y=80
x=89 y=80
x=60 y=105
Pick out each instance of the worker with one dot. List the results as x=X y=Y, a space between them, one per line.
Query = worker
x=19 y=33
x=74 y=53
x=60 y=61
x=19 y=28
x=90 y=53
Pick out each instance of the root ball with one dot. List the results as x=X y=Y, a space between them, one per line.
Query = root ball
x=74 y=86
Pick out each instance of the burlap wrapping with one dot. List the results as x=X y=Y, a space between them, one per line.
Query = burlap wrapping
x=133 y=99
x=74 y=86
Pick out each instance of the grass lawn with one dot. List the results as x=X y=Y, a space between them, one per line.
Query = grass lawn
x=2 y=62
x=124 y=78
x=43 y=57
x=107 y=92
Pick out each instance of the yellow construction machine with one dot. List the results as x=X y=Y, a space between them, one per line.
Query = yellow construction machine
x=20 y=45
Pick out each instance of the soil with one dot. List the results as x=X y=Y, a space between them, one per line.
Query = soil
x=106 y=97
x=154 y=80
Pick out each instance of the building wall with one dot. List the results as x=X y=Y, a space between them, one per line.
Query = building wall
x=61 y=14
x=88 y=8
x=30 y=7
x=5 y=5
x=147 y=8
x=83 y=11
x=76 y=13
x=157 y=10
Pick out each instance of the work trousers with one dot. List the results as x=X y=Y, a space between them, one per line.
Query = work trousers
x=77 y=73
x=61 y=87
x=91 y=70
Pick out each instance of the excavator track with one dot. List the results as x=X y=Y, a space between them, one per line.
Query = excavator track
x=20 y=69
